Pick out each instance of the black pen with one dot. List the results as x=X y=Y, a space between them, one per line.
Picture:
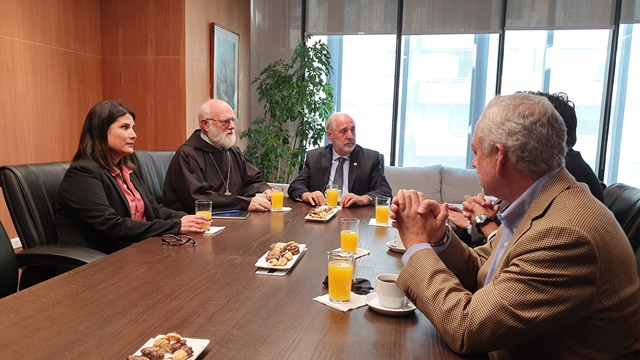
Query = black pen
x=227 y=212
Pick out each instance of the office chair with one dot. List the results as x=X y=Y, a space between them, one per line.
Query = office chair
x=30 y=192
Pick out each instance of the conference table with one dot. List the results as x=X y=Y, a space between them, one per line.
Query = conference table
x=109 y=308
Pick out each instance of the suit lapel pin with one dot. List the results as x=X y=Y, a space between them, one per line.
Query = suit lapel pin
x=355 y=164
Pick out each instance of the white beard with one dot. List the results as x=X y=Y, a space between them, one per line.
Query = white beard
x=221 y=139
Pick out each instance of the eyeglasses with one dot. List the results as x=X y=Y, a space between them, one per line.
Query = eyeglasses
x=173 y=240
x=225 y=122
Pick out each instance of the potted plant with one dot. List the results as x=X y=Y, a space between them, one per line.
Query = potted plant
x=297 y=99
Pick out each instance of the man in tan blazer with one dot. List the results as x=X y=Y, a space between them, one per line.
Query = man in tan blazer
x=558 y=281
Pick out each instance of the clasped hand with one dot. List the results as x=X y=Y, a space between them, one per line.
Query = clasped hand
x=418 y=219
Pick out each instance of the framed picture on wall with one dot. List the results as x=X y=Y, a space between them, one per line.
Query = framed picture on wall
x=224 y=65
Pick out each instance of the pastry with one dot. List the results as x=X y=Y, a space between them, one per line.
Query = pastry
x=153 y=353
x=180 y=355
x=174 y=337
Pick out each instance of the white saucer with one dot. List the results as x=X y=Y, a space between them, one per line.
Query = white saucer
x=360 y=252
x=372 y=300
x=392 y=246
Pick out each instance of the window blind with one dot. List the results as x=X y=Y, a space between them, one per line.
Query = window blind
x=559 y=14
x=630 y=12
x=351 y=17
x=452 y=17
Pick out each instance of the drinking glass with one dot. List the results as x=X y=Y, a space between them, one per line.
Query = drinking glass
x=203 y=208
x=382 y=209
x=332 y=195
x=277 y=198
x=349 y=235
x=340 y=271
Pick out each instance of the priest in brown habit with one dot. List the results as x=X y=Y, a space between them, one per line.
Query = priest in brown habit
x=209 y=167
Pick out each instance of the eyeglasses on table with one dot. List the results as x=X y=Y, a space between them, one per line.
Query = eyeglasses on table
x=177 y=240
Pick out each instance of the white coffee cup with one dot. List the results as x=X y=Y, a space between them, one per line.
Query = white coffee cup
x=399 y=243
x=389 y=295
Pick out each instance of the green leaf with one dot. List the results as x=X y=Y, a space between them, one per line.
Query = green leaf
x=297 y=100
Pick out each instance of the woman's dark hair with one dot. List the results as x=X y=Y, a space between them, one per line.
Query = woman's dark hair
x=94 y=143
x=565 y=108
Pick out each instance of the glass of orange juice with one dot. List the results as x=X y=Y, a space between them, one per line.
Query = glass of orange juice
x=349 y=235
x=203 y=208
x=332 y=194
x=277 y=198
x=340 y=271
x=382 y=209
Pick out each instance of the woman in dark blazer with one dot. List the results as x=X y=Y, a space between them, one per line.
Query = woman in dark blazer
x=103 y=203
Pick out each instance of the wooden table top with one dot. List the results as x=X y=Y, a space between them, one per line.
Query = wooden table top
x=109 y=308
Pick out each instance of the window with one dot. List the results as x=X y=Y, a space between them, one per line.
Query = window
x=623 y=163
x=444 y=93
x=568 y=61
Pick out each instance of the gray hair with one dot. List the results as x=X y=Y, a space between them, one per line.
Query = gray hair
x=530 y=129
x=205 y=111
x=334 y=116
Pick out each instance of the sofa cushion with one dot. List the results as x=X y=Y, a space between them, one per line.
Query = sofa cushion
x=457 y=182
x=425 y=179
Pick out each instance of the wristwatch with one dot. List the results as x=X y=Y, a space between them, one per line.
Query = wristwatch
x=482 y=220
x=372 y=200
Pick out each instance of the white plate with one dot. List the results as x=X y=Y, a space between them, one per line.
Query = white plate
x=393 y=247
x=372 y=300
x=197 y=345
x=262 y=262
x=335 y=210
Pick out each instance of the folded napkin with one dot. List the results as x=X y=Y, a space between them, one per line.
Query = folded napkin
x=214 y=229
x=360 y=252
x=373 y=222
x=284 y=209
x=355 y=302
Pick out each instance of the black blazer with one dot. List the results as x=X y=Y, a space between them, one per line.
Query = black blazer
x=366 y=173
x=93 y=211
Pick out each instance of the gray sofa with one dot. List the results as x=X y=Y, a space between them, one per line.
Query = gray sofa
x=437 y=182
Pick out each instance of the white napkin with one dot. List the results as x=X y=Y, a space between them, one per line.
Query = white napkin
x=373 y=222
x=355 y=302
x=214 y=229
x=360 y=252
x=284 y=209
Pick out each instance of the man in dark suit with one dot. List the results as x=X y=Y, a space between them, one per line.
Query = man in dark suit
x=342 y=159
x=558 y=280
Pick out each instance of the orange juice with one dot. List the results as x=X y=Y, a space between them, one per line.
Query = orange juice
x=382 y=214
x=206 y=214
x=277 y=200
x=340 y=278
x=332 y=197
x=349 y=241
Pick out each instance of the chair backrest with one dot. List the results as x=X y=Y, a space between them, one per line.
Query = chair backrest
x=425 y=179
x=31 y=193
x=624 y=202
x=8 y=265
x=153 y=165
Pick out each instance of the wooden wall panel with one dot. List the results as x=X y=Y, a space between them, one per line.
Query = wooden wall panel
x=144 y=66
x=65 y=24
x=50 y=75
x=142 y=28
x=154 y=88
